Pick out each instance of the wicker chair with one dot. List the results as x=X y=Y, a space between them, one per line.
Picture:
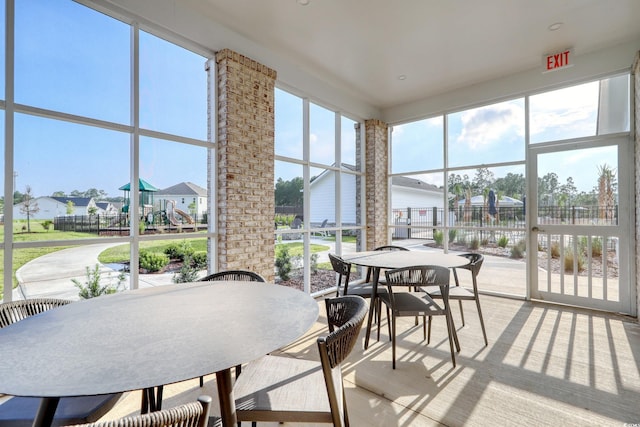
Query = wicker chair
x=193 y=414
x=21 y=411
x=294 y=390
x=461 y=293
x=416 y=302
x=236 y=275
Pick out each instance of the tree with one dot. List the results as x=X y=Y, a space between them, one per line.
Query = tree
x=606 y=191
x=70 y=207
x=59 y=194
x=29 y=206
x=92 y=210
x=512 y=185
x=289 y=193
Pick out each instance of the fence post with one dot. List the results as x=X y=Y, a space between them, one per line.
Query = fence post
x=408 y=223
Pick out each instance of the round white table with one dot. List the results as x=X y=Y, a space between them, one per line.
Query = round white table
x=378 y=260
x=150 y=337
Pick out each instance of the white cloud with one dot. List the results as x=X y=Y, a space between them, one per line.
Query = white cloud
x=487 y=125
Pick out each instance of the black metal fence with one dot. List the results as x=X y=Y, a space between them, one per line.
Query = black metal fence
x=120 y=222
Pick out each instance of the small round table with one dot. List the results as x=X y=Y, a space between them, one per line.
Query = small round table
x=150 y=337
x=398 y=259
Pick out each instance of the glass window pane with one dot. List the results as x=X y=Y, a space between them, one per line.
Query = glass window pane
x=178 y=172
x=323 y=197
x=69 y=174
x=613 y=115
x=350 y=186
x=322 y=137
x=288 y=199
x=416 y=201
x=578 y=187
x=2 y=48
x=471 y=202
x=565 y=113
x=489 y=134
x=72 y=59
x=173 y=88
x=288 y=125
x=349 y=144
x=417 y=146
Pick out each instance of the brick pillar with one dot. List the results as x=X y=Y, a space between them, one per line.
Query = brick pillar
x=245 y=154
x=376 y=160
x=635 y=104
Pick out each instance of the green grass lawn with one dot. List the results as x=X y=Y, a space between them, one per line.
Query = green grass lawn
x=116 y=254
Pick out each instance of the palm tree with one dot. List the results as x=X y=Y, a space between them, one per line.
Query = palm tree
x=606 y=191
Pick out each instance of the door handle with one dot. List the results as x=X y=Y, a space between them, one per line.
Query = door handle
x=535 y=229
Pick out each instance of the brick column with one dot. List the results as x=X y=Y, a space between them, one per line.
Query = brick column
x=245 y=155
x=376 y=160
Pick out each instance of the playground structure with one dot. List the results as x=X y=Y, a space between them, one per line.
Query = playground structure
x=171 y=210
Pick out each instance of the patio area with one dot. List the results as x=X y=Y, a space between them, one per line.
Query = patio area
x=545 y=365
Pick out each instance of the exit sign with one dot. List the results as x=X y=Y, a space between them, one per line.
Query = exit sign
x=557 y=61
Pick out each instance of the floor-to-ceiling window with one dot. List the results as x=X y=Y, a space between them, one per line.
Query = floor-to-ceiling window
x=318 y=178
x=106 y=143
x=460 y=181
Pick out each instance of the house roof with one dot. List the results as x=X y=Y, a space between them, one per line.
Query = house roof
x=77 y=201
x=403 y=181
x=184 y=188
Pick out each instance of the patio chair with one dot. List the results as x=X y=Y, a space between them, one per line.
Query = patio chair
x=357 y=287
x=286 y=389
x=461 y=293
x=238 y=275
x=192 y=414
x=21 y=411
x=415 y=302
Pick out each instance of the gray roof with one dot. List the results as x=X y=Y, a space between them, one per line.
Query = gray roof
x=77 y=201
x=183 y=188
x=403 y=181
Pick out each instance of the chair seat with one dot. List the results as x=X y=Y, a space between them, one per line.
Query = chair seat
x=21 y=411
x=455 y=292
x=266 y=392
x=412 y=304
x=363 y=289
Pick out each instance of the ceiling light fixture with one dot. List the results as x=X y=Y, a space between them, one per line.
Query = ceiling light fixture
x=303 y=2
x=402 y=77
x=555 y=26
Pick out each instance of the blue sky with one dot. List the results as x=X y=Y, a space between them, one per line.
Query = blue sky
x=74 y=60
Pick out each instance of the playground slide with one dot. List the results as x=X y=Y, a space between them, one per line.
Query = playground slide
x=185 y=215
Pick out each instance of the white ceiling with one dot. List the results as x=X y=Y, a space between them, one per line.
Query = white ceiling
x=439 y=45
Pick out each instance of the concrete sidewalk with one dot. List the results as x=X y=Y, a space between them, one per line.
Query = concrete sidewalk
x=50 y=275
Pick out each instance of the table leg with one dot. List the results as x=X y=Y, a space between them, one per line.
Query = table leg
x=46 y=411
x=372 y=305
x=225 y=394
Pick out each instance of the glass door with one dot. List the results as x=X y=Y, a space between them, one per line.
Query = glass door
x=580 y=224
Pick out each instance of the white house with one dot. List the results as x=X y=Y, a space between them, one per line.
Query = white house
x=405 y=193
x=187 y=196
x=50 y=207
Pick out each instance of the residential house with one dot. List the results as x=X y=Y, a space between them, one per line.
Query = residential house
x=49 y=207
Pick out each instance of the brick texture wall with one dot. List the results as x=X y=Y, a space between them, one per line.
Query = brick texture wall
x=376 y=160
x=245 y=156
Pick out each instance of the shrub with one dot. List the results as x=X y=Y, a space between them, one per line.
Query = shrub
x=518 y=250
x=462 y=240
x=283 y=262
x=180 y=251
x=199 y=260
x=568 y=261
x=152 y=261
x=314 y=264
x=452 y=235
x=187 y=273
x=474 y=244
x=503 y=241
x=92 y=287
x=596 y=247
x=46 y=224
x=555 y=250
x=484 y=242
x=438 y=237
